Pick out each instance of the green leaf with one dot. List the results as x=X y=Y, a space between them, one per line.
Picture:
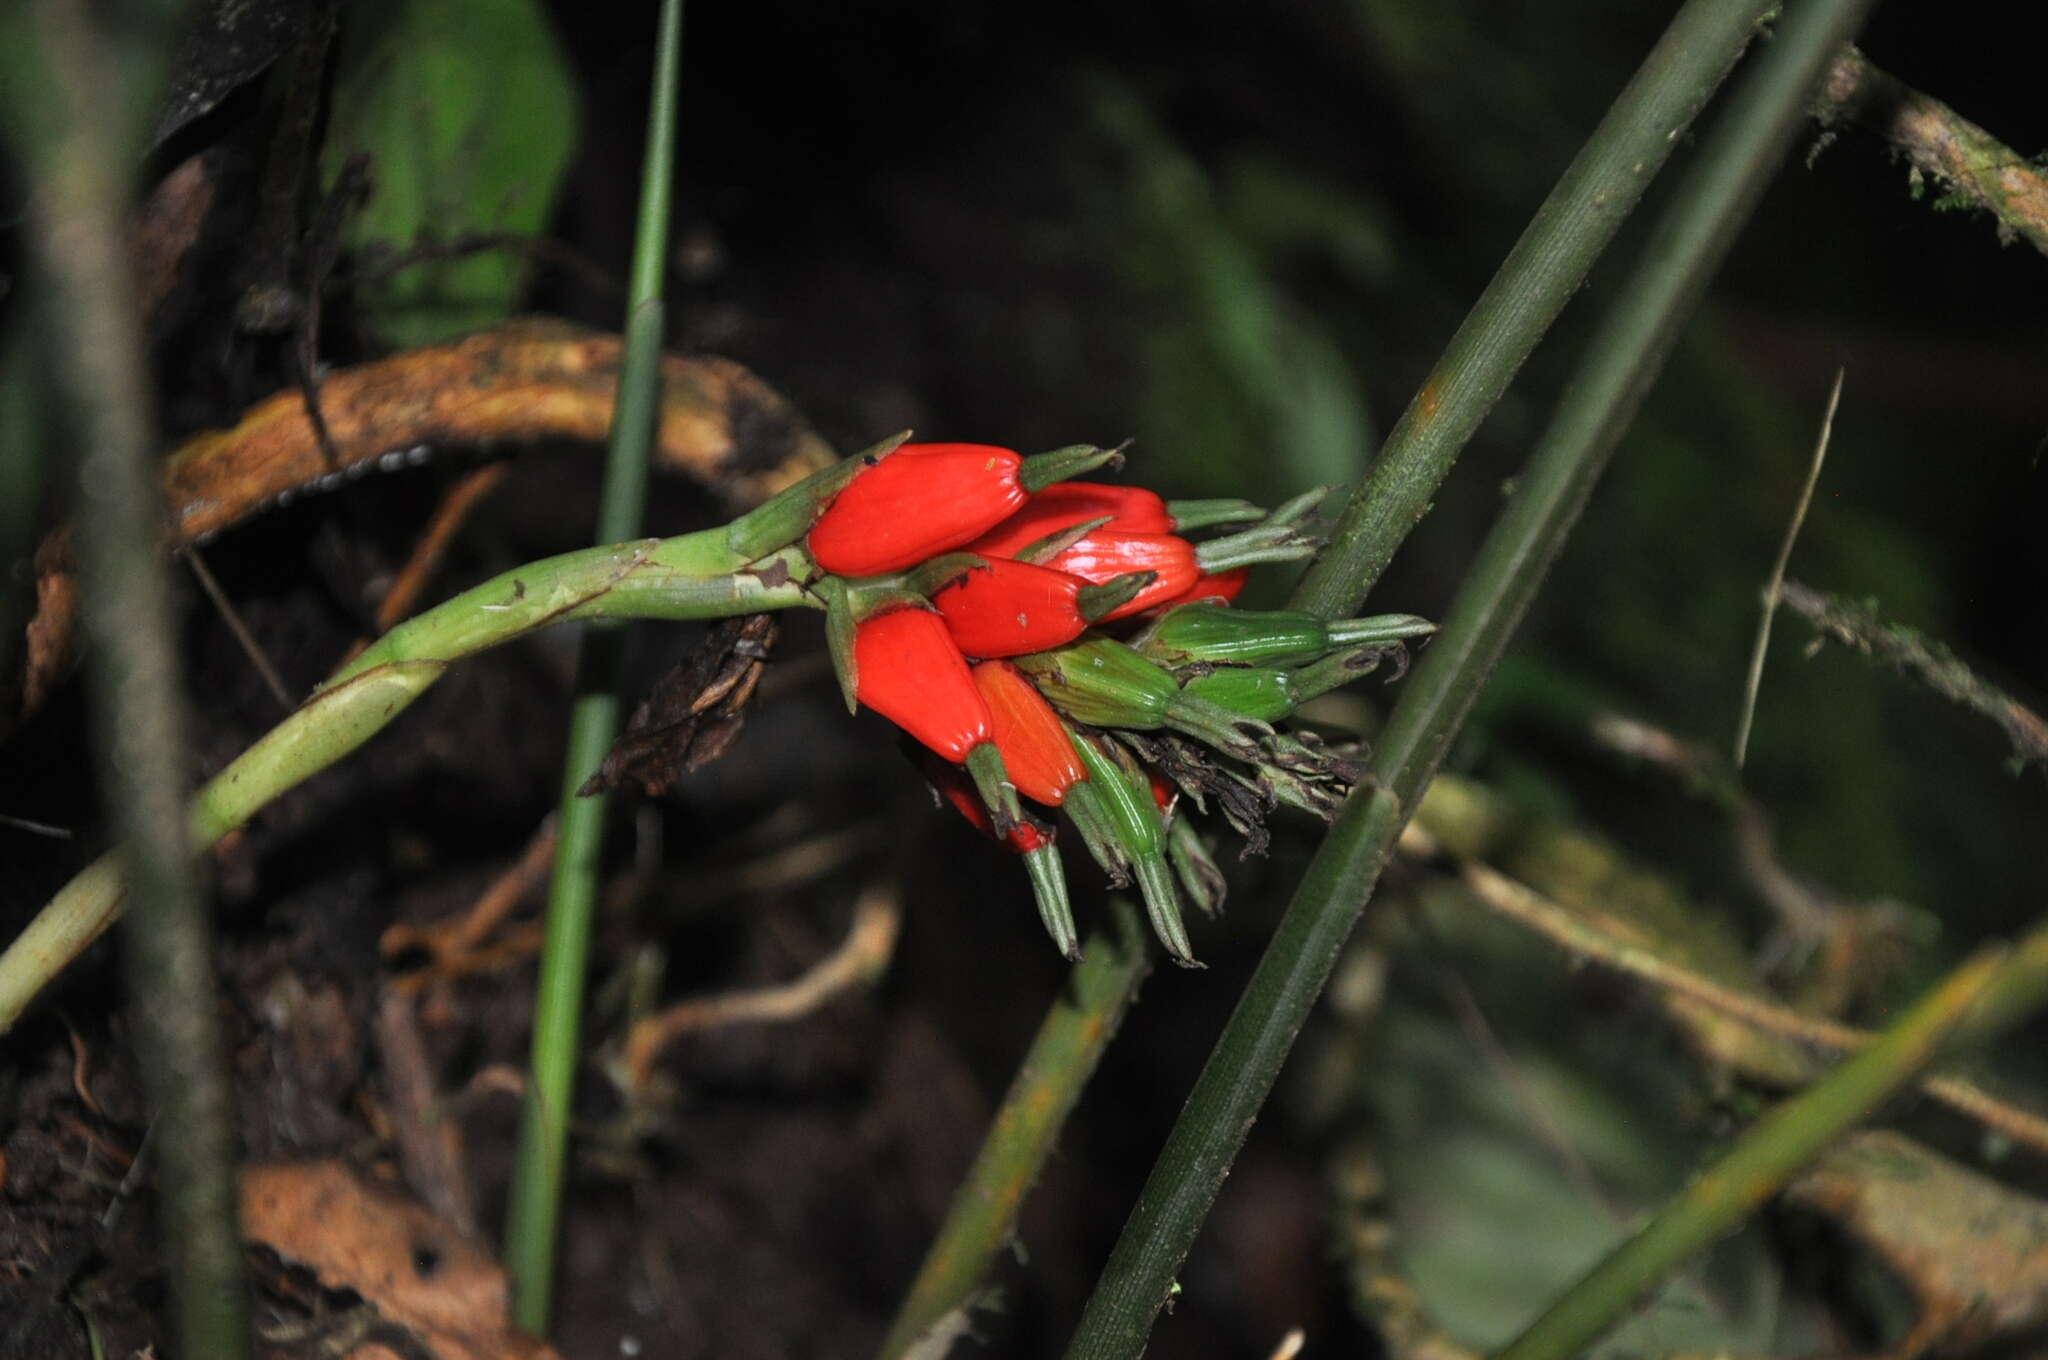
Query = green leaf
x=468 y=113
x=1492 y=1225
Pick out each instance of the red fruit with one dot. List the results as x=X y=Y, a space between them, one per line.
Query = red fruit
x=910 y=672
x=1036 y=749
x=1010 y=608
x=1223 y=586
x=1106 y=554
x=1164 y=793
x=1133 y=509
x=920 y=501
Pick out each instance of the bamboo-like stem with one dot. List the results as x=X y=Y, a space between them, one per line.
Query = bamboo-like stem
x=1623 y=359
x=1070 y=1042
x=677 y=578
x=81 y=141
x=535 y=1209
x=1989 y=992
x=1545 y=269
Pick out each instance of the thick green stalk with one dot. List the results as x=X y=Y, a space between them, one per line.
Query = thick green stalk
x=1070 y=1042
x=80 y=141
x=1623 y=359
x=535 y=1209
x=1546 y=267
x=677 y=578
x=1987 y=993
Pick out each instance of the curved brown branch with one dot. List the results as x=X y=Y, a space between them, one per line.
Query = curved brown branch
x=1858 y=625
x=1523 y=904
x=1975 y=168
x=515 y=384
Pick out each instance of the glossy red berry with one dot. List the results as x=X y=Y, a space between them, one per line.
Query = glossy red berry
x=1104 y=554
x=910 y=672
x=1037 y=751
x=922 y=500
x=1009 y=608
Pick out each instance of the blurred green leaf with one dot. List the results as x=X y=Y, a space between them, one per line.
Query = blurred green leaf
x=1236 y=380
x=469 y=114
x=1492 y=1225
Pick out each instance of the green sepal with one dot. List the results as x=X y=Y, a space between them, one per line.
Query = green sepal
x=1379 y=628
x=1040 y=551
x=1101 y=682
x=1084 y=809
x=1134 y=818
x=846 y=604
x=1126 y=798
x=985 y=766
x=1162 y=906
x=1341 y=668
x=839 y=636
x=1221 y=635
x=931 y=576
x=1041 y=470
x=1049 y=888
x=1234 y=734
x=788 y=515
x=1195 y=867
x=1189 y=515
x=1113 y=594
x=1263 y=692
x=1280 y=537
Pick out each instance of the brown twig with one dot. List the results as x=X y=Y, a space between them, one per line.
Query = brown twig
x=1934 y=665
x=1805 y=913
x=1523 y=904
x=518 y=383
x=380 y=262
x=859 y=959
x=1976 y=168
x=449 y=516
x=428 y=1138
x=1777 y=577
x=350 y=191
x=232 y=616
x=452 y=944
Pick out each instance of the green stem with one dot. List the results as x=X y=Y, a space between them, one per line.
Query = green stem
x=534 y=1213
x=1545 y=269
x=1987 y=993
x=1070 y=1041
x=80 y=136
x=1626 y=354
x=639 y=580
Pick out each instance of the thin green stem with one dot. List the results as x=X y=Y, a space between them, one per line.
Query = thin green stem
x=1070 y=1042
x=1989 y=992
x=1546 y=267
x=80 y=143
x=534 y=1213
x=1626 y=354
x=652 y=579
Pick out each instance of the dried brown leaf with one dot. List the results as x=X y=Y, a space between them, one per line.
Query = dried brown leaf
x=418 y=1272
x=694 y=712
x=1973 y=1252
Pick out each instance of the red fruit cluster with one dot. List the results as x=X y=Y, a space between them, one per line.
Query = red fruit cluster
x=926 y=636
x=928 y=499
